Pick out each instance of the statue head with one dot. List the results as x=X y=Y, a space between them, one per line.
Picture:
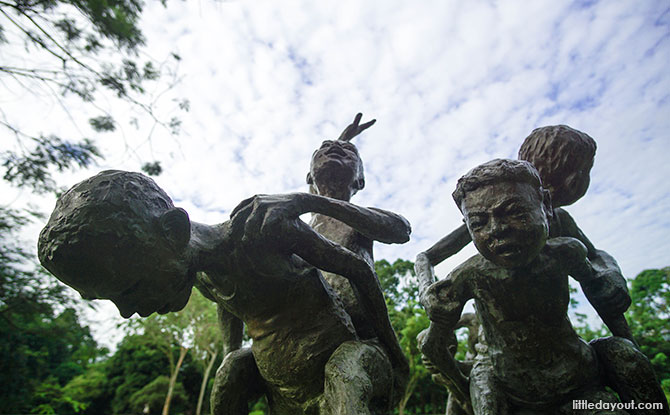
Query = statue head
x=506 y=210
x=118 y=236
x=564 y=157
x=336 y=169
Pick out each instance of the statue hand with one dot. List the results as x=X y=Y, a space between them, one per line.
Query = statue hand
x=438 y=310
x=354 y=129
x=435 y=374
x=608 y=293
x=266 y=216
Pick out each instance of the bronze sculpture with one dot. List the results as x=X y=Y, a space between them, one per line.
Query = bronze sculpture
x=336 y=171
x=534 y=361
x=117 y=235
x=563 y=157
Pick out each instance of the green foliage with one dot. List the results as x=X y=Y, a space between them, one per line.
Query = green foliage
x=89 y=390
x=136 y=363
x=648 y=318
x=42 y=353
x=153 y=168
x=409 y=319
x=152 y=396
x=83 y=47
x=194 y=330
x=86 y=48
x=41 y=340
x=32 y=169
x=48 y=399
x=102 y=123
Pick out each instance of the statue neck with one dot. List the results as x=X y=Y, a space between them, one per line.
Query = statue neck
x=210 y=246
x=338 y=192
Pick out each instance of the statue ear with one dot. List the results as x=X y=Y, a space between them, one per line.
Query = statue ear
x=176 y=227
x=309 y=178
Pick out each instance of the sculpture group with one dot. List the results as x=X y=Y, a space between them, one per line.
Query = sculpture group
x=322 y=342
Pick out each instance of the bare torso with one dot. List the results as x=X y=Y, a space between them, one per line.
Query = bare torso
x=294 y=319
x=354 y=241
x=536 y=355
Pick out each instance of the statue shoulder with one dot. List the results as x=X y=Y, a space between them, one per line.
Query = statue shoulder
x=567 y=248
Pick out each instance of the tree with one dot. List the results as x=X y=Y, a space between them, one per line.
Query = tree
x=409 y=319
x=59 y=49
x=167 y=332
x=75 y=48
x=648 y=318
x=136 y=363
x=151 y=397
x=193 y=328
x=89 y=390
x=42 y=353
x=207 y=339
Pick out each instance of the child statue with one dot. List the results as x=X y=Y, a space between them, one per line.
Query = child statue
x=118 y=236
x=534 y=361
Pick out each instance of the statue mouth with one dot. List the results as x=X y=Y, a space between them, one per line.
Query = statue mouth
x=507 y=249
x=335 y=151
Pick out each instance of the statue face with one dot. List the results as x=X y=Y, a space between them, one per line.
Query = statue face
x=336 y=162
x=137 y=278
x=118 y=236
x=507 y=221
x=163 y=288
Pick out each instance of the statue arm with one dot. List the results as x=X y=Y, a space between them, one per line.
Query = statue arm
x=425 y=273
x=574 y=255
x=444 y=302
x=274 y=217
x=612 y=292
x=449 y=245
x=375 y=224
x=443 y=249
x=328 y=256
x=232 y=330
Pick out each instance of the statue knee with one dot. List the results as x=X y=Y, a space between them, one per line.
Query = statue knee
x=359 y=374
x=236 y=383
x=619 y=354
x=628 y=371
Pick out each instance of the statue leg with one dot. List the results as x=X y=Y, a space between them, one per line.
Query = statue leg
x=358 y=380
x=331 y=257
x=486 y=398
x=594 y=395
x=237 y=382
x=629 y=373
x=454 y=407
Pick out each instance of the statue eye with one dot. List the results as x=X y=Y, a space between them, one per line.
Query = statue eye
x=477 y=222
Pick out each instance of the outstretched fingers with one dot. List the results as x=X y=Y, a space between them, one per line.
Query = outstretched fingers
x=354 y=128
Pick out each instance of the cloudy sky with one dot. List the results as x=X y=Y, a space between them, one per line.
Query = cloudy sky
x=452 y=84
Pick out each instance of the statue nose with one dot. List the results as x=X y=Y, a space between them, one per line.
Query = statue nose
x=498 y=226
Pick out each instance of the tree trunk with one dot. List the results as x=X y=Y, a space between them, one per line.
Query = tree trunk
x=173 y=380
x=408 y=394
x=203 y=386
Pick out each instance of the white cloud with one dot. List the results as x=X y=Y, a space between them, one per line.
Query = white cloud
x=452 y=84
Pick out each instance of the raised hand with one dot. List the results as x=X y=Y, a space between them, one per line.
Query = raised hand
x=355 y=129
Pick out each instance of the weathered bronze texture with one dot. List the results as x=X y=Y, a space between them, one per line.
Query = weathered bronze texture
x=118 y=236
x=529 y=357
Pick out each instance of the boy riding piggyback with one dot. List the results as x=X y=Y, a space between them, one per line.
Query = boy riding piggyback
x=519 y=282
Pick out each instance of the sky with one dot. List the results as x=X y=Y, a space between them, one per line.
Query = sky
x=451 y=84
